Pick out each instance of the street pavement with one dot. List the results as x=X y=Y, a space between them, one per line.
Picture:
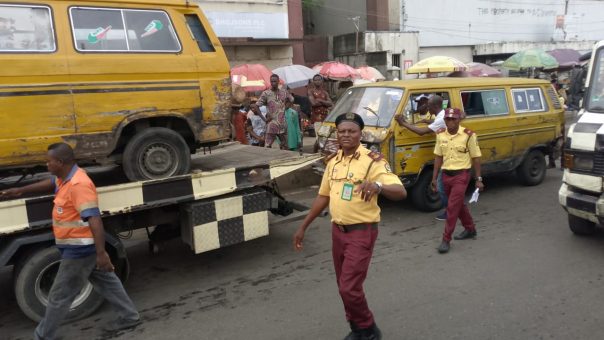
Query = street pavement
x=526 y=276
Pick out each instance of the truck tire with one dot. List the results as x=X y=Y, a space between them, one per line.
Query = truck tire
x=580 y=226
x=422 y=196
x=34 y=276
x=156 y=153
x=532 y=170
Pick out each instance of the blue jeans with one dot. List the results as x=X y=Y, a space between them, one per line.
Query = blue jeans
x=71 y=278
x=441 y=189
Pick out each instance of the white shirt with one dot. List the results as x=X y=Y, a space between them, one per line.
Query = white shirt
x=439 y=122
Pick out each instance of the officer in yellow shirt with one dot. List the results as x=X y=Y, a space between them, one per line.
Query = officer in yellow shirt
x=354 y=178
x=456 y=152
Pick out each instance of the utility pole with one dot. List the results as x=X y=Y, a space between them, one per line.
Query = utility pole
x=356 y=21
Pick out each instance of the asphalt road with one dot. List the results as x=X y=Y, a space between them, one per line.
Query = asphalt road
x=525 y=277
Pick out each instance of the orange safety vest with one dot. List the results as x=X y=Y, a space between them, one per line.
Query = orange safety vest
x=75 y=201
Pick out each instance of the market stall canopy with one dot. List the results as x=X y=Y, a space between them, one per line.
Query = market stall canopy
x=251 y=77
x=370 y=73
x=530 y=58
x=565 y=57
x=337 y=71
x=437 y=64
x=295 y=76
x=477 y=70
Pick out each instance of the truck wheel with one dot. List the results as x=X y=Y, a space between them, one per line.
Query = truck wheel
x=422 y=195
x=156 y=153
x=532 y=170
x=34 y=276
x=580 y=226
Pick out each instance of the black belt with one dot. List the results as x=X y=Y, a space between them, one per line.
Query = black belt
x=454 y=172
x=358 y=226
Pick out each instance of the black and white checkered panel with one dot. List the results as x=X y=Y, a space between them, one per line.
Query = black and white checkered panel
x=223 y=222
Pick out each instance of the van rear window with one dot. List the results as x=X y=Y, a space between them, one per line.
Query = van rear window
x=122 y=30
x=199 y=33
x=529 y=100
x=26 y=28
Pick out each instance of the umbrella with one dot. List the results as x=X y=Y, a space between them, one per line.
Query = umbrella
x=370 y=73
x=337 y=71
x=251 y=77
x=565 y=57
x=295 y=76
x=530 y=58
x=437 y=64
x=477 y=70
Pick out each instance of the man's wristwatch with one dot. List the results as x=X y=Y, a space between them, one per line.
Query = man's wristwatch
x=379 y=185
x=479 y=179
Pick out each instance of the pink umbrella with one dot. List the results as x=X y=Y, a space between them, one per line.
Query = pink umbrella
x=337 y=71
x=565 y=57
x=370 y=73
x=477 y=70
x=251 y=77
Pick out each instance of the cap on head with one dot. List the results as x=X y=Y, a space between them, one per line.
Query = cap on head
x=350 y=117
x=453 y=113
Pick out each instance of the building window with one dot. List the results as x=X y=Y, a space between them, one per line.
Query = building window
x=396 y=60
x=26 y=29
x=488 y=102
x=528 y=100
x=199 y=33
x=122 y=30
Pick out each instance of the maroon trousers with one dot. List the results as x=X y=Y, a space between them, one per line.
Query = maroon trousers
x=352 y=252
x=455 y=188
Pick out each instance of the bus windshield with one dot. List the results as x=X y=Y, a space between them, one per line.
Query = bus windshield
x=595 y=97
x=376 y=105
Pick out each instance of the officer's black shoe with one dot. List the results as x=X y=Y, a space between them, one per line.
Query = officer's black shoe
x=372 y=333
x=444 y=247
x=355 y=333
x=466 y=234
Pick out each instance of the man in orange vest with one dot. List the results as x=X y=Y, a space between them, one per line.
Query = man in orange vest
x=79 y=235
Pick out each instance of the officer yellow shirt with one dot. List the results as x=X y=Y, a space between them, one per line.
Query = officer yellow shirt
x=417 y=117
x=457 y=150
x=342 y=177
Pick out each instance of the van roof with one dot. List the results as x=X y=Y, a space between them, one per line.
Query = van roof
x=445 y=82
x=145 y=2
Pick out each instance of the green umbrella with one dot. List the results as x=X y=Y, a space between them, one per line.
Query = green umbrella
x=534 y=57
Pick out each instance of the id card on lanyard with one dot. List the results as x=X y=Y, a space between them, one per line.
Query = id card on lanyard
x=347 y=191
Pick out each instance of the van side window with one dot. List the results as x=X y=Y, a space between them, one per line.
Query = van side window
x=487 y=102
x=96 y=29
x=529 y=100
x=26 y=28
x=199 y=33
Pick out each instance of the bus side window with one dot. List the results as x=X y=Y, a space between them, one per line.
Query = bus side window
x=199 y=33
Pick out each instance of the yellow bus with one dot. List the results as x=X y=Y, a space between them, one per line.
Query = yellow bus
x=142 y=83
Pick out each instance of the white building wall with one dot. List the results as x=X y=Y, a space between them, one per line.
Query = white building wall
x=469 y=22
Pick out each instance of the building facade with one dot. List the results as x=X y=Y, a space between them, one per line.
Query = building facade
x=268 y=32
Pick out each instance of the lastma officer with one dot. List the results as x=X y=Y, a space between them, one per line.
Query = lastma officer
x=456 y=151
x=354 y=178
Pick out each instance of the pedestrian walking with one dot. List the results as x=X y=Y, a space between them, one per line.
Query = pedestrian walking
x=256 y=126
x=79 y=235
x=274 y=99
x=354 y=178
x=294 y=132
x=435 y=108
x=456 y=152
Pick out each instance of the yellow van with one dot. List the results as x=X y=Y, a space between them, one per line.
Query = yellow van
x=518 y=121
x=141 y=83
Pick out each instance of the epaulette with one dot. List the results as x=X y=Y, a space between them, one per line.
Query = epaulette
x=329 y=157
x=468 y=131
x=441 y=130
x=375 y=156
